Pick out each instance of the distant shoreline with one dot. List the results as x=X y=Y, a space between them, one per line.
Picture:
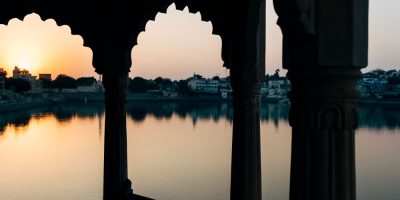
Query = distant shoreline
x=99 y=97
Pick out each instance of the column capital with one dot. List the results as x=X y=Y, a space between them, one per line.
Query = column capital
x=324 y=99
x=324 y=83
x=327 y=33
x=112 y=51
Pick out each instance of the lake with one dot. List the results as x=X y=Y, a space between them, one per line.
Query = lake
x=176 y=151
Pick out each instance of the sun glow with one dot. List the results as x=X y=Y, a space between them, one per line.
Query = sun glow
x=43 y=47
x=25 y=57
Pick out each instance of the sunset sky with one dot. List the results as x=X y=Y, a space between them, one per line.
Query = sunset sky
x=175 y=45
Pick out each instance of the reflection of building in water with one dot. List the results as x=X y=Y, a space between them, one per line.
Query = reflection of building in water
x=379 y=116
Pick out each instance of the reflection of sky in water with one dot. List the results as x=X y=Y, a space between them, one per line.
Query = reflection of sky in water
x=176 y=151
x=370 y=116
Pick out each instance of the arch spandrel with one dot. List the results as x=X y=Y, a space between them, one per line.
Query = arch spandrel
x=103 y=24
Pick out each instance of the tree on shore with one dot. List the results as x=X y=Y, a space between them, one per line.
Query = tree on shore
x=86 y=81
x=18 y=85
x=183 y=88
x=64 y=82
x=394 y=80
x=3 y=73
x=163 y=82
x=216 y=78
x=138 y=85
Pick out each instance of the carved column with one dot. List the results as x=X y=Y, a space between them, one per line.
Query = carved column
x=112 y=59
x=325 y=45
x=246 y=156
x=247 y=73
x=323 y=116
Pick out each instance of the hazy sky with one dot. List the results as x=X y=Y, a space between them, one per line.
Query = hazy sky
x=175 y=45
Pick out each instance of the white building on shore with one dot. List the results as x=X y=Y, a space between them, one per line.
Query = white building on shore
x=198 y=84
x=278 y=87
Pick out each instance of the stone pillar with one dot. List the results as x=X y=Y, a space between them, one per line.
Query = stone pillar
x=116 y=183
x=246 y=156
x=323 y=116
x=112 y=59
x=247 y=73
x=325 y=45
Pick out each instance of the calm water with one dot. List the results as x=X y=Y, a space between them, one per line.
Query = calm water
x=176 y=151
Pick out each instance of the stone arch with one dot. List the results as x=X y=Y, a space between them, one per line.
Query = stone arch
x=180 y=34
x=77 y=18
x=209 y=12
x=52 y=22
x=60 y=16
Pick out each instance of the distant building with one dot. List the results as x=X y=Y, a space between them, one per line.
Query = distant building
x=278 y=87
x=3 y=73
x=203 y=85
x=45 y=77
x=22 y=74
x=36 y=85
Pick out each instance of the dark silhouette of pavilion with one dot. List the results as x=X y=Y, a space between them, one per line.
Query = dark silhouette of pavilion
x=324 y=47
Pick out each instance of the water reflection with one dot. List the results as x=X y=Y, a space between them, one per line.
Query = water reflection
x=379 y=116
x=371 y=116
x=63 y=113
x=176 y=151
x=201 y=111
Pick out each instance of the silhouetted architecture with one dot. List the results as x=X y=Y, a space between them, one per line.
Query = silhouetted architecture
x=45 y=77
x=2 y=84
x=324 y=44
x=19 y=73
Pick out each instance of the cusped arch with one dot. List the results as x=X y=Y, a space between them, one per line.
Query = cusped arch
x=61 y=18
x=76 y=27
x=219 y=26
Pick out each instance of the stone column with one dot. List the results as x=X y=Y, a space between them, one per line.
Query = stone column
x=325 y=45
x=247 y=73
x=112 y=59
x=323 y=116
x=246 y=155
x=116 y=183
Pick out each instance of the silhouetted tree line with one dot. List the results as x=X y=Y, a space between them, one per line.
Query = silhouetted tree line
x=394 y=80
x=141 y=85
x=17 y=85
x=63 y=81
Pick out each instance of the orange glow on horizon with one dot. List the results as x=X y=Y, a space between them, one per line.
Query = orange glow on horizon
x=175 y=45
x=43 y=47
